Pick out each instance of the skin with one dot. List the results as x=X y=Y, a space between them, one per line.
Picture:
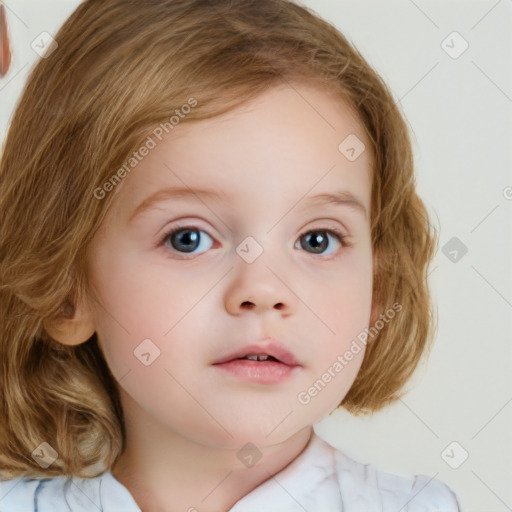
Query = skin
x=186 y=420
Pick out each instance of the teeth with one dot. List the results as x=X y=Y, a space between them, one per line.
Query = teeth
x=255 y=357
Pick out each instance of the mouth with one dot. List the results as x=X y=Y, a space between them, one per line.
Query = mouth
x=268 y=352
x=259 y=357
x=268 y=364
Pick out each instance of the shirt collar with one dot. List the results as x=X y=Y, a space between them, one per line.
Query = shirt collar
x=307 y=482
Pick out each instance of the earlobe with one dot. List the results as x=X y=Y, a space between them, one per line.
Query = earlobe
x=73 y=326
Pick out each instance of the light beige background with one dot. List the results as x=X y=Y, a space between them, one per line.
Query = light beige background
x=460 y=110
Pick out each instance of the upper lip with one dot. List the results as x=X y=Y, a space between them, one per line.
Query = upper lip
x=274 y=349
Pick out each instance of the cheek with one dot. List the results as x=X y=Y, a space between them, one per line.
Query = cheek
x=142 y=298
x=343 y=302
x=143 y=313
x=343 y=307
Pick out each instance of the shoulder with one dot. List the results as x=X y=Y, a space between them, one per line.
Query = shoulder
x=364 y=487
x=102 y=493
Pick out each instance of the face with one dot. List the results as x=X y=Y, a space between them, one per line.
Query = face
x=183 y=281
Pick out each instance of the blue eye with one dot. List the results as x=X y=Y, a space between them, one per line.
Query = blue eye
x=187 y=240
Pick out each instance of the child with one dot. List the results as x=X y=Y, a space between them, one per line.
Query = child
x=141 y=375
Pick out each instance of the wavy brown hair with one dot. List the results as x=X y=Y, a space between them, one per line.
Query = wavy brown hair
x=120 y=69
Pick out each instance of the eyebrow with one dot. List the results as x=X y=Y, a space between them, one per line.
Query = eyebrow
x=175 y=193
x=341 y=198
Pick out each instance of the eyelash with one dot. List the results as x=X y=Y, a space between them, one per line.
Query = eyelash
x=339 y=235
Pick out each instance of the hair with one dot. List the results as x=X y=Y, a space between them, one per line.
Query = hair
x=120 y=69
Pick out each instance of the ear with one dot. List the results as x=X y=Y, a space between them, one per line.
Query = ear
x=74 y=325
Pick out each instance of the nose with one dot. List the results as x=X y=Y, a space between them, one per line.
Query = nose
x=259 y=288
x=247 y=304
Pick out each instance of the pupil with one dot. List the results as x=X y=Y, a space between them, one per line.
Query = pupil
x=188 y=239
x=318 y=241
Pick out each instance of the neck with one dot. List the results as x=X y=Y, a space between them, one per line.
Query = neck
x=165 y=471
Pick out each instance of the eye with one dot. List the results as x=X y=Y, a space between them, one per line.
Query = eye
x=186 y=240
x=192 y=240
x=318 y=240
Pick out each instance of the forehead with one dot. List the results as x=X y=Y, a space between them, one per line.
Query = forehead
x=289 y=139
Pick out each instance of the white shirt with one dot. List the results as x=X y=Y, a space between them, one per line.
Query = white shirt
x=320 y=479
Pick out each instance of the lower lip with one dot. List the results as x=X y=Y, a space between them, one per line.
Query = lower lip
x=262 y=372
